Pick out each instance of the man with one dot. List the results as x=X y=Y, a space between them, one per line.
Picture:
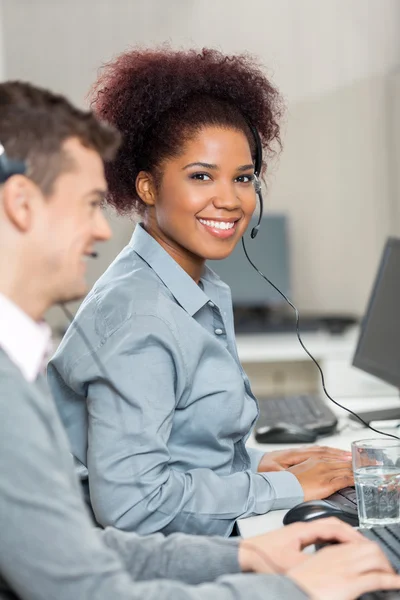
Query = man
x=51 y=187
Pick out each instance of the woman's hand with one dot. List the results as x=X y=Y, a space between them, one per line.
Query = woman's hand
x=321 y=471
x=280 y=460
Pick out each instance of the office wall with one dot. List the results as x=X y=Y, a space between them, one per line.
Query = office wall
x=2 y=44
x=334 y=179
x=309 y=46
x=332 y=60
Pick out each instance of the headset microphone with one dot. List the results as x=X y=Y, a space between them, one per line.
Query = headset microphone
x=93 y=254
x=257 y=182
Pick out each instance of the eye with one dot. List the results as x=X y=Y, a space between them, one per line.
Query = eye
x=95 y=205
x=245 y=178
x=200 y=177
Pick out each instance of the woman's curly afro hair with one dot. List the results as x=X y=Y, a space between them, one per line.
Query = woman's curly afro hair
x=158 y=98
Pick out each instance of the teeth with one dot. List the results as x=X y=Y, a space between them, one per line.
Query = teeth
x=217 y=224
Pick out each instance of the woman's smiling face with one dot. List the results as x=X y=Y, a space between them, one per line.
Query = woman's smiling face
x=205 y=198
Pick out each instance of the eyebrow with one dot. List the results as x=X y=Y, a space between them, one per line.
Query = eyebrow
x=101 y=194
x=215 y=167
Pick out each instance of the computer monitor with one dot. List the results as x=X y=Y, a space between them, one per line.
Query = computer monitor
x=378 y=348
x=270 y=253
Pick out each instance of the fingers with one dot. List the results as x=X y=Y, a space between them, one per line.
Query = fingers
x=369 y=557
x=321 y=478
x=375 y=581
x=335 y=452
x=326 y=451
x=296 y=456
x=325 y=464
x=332 y=484
x=373 y=558
x=345 y=571
x=334 y=468
x=335 y=465
x=330 y=529
x=339 y=481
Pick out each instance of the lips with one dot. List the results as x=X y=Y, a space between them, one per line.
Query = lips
x=219 y=228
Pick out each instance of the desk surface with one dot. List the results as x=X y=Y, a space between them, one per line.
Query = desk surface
x=285 y=346
x=348 y=432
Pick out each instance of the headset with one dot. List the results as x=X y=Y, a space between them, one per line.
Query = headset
x=10 y=166
x=257 y=174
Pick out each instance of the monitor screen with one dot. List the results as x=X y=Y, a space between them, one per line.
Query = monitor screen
x=378 y=349
x=270 y=253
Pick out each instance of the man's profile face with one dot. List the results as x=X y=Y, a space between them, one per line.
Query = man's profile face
x=73 y=222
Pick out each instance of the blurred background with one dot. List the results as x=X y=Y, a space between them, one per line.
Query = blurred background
x=336 y=62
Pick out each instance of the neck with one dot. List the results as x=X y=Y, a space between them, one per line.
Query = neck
x=24 y=290
x=192 y=264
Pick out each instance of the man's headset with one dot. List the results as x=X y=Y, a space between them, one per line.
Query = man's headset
x=10 y=166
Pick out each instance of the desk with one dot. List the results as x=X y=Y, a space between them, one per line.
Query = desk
x=277 y=364
x=348 y=432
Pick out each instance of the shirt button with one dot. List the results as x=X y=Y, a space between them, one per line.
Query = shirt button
x=211 y=304
x=218 y=332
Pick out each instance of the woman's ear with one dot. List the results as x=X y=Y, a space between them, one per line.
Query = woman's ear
x=145 y=188
x=18 y=196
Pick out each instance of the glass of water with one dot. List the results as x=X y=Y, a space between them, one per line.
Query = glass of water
x=376 y=465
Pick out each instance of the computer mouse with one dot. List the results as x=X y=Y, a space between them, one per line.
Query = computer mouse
x=284 y=433
x=319 y=509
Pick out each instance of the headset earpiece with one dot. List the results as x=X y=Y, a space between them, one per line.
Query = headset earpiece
x=257 y=182
x=9 y=166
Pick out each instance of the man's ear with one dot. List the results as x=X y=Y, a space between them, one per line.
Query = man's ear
x=18 y=197
x=145 y=188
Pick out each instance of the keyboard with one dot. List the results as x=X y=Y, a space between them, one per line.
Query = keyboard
x=388 y=539
x=346 y=501
x=306 y=410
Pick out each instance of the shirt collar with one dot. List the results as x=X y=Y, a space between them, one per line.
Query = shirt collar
x=26 y=342
x=184 y=289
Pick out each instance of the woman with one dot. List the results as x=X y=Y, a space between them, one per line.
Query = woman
x=161 y=430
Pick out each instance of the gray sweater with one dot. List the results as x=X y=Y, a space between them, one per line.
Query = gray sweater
x=49 y=549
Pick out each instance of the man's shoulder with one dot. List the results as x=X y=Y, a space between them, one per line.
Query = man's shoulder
x=20 y=397
x=9 y=373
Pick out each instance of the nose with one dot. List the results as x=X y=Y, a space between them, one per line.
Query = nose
x=227 y=197
x=102 y=230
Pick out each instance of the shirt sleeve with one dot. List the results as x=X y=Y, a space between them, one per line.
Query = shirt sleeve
x=188 y=558
x=255 y=457
x=133 y=483
x=49 y=549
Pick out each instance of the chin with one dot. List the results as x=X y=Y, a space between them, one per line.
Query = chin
x=77 y=292
x=220 y=253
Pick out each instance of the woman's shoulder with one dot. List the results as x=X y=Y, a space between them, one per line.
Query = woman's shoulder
x=129 y=289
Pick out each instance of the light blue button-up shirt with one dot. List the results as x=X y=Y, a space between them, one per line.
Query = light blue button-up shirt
x=161 y=428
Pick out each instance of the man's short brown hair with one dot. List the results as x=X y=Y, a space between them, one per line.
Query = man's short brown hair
x=34 y=124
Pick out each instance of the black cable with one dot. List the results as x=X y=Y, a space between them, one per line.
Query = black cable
x=105 y=374
x=309 y=353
